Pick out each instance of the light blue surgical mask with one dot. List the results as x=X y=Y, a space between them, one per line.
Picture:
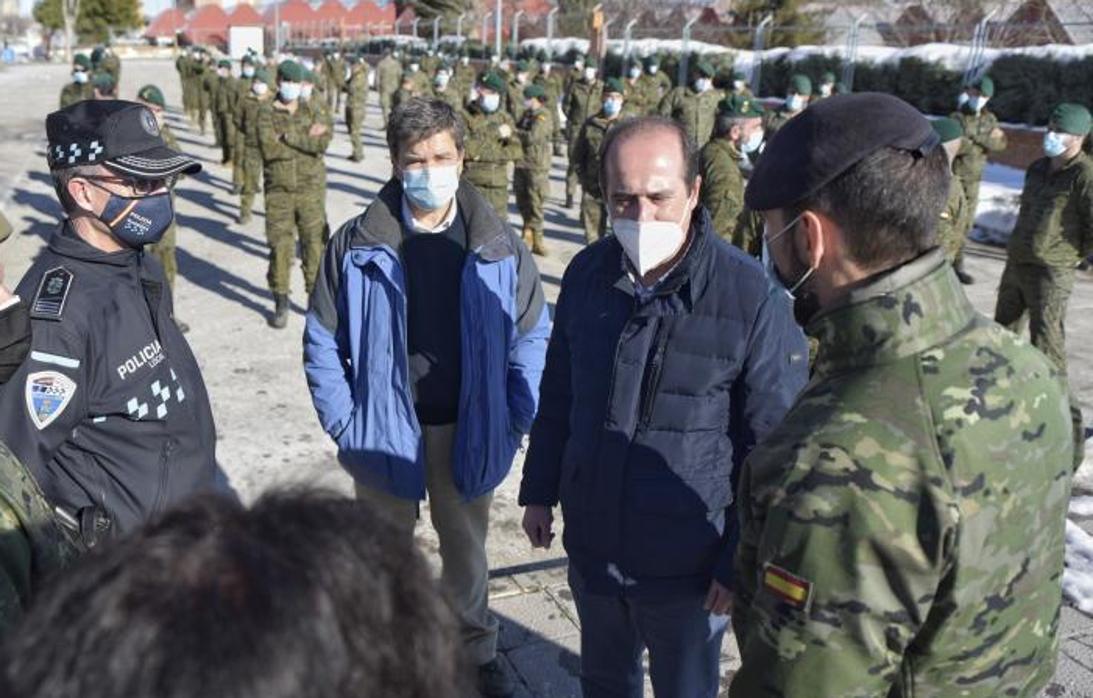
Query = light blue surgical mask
x=612 y=107
x=795 y=102
x=1054 y=144
x=754 y=141
x=977 y=103
x=490 y=102
x=79 y=77
x=431 y=188
x=962 y=100
x=702 y=84
x=289 y=91
x=248 y=71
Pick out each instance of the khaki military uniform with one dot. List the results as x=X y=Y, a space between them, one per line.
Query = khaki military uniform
x=695 y=111
x=971 y=159
x=587 y=154
x=388 y=81
x=247 y=124
x=422 y=83
x=164 y=250
x=207 y=81
x=450 y=95
x=582 y=100
x=75 y=92
x=776 y=120
x=356 y=102
x=487 y=154
x=242 y=89
x=33 y=546
x=514 y=99
x=531 y=178
x=652 y=89
x=336 y=82
x=950 y=229
x=182 y=65
x=463 y=77
x=640 y=101
x=289 y=159
x=902 y=529
x=223 y=107
x=111 y=64
x=723 y=188
x=314 y=162
x=1054 y=232
x=553 y=85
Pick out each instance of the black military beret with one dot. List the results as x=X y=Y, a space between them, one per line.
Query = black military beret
x=124 y=136
x=827 y=139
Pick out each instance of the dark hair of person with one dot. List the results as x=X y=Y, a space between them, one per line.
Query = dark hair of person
x=305 y=594
x=420 y=118
x=887 y=205
x=637 y=126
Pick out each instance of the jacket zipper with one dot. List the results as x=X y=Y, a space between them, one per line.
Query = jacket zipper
x=164 y=463
x=652 y=378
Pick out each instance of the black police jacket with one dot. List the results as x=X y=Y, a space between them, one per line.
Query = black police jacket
x=109 y=408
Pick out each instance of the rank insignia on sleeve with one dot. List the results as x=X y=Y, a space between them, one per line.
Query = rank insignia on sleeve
x=789 y=588
x=48 y=394
x=49 y=301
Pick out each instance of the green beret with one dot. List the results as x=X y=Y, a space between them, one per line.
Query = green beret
x=104 y=82
x=948 y=129
x=650 y=61
x=704 y=69
x=152 y=95
x=614 y=85
x=827 y=78
x=522 y=67
x=96 y=55
x=248 y=59
x=985 y=86
x=534 y=92
x=309 y=76
x=801 y=85
x=224 y=63
x=290 y=71
x=740 y=107
x=1072 y=118
x=261 y=75
x=591 y=62
x=492 y=81
x=82 y=61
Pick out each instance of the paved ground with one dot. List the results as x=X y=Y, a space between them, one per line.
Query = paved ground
x=268 y=434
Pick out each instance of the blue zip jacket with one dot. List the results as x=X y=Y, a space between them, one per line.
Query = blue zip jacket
x=355 y=350
x=649 y=406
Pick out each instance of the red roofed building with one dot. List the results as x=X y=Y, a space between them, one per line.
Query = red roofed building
x=366 y=17
x=166 y=24
x=244 y=15
x=301 y=19
x=207 y=25
x=331 y=18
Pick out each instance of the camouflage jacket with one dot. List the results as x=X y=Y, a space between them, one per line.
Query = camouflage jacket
x=641 y=98
x=452 y=95
x=654 y=89
x=32 y=544
x=978 y=142
x=1055 y=222
x=75 y=92
x=775 y=120
x=487 y=152
x=246 y=118
x=722 y=185
x=388 y=75
x=291 y=159
x=535 y=130
x=514 y=99
x=888 y=522
x=694 y=111
x=357 y=86
x=227 y=90
x=586 y=153
x=582 y=101
x=953 y=221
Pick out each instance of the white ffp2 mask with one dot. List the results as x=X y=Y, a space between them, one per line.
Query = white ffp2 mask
x=648 y=244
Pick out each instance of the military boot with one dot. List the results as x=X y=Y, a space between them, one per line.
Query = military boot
x=537 y=246
x=964 y=277
x=280 y=311
x=569 y=199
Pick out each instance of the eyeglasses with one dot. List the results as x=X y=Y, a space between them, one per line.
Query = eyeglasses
x=139 y=187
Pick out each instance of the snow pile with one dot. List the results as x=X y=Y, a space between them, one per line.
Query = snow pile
x=1078 y=574
x=999 y=201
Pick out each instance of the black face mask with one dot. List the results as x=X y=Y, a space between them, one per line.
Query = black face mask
x=15 y=335
x=805 y=302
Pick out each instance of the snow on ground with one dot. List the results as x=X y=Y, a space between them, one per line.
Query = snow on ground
x=1078 y=574
x=999 y=199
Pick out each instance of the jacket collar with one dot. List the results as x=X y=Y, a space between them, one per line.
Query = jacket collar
x=66 y=243
x=898 y=314
x=381 y=222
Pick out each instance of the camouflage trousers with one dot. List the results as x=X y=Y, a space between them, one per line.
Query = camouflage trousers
x=354 y=121
x=971 y=198
x=164 y=251
x=498 y=197
x=226 y=127
x=238 y=159
x=593 y=218
x=288 y=215
x=202 y=113
x=386 y=100
x=252 y=172
x=572 y=180
x=218 y=131
x=1041 y=293
x=531 y=188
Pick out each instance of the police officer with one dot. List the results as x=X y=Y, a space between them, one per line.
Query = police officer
x=80 y=88
x=885 y=523
x=738 y=132
x=110 y=411
x=694 y=105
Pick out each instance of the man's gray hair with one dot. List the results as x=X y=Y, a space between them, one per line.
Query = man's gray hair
x=421 y=118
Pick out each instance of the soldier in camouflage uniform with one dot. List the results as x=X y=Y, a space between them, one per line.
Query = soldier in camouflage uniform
x=885 y=524
x=491 y=144
x=104 y=87
x=446 y=90
x=110 y=63
x=586 y=152
x=80 y=88
x=553 y=83
x=1053 y=234
x=655 y=81
x=582 y=100
x=205 y=78
x=982 y=136
x=292 y=144
x=638 y=102
x=247 y=125
x=464 y=76
x=738 y=131
x=694 y=105
x=421 y=82
x=313 y=167
x=740 y=86
x=950 y=227
x=514 y=95
x=223 y=108
x=388 y=81
x=242 y=87
x=335 y=67
x=356 y=102
x=531 y=178
x=826 y=88
x=797 y=100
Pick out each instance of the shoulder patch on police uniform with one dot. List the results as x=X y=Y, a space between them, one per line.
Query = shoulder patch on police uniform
x=791 y=589
x=49 y=301
x=48 y=394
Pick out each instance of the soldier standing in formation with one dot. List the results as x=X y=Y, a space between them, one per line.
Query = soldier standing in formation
x=951 y=225
x=292 y=146
x=553 y=84
x=447 y=90
x=587 y=153
x=80 y=88
x=982 y=136
x=104 y=86
x=738 y=132
x=491 y=144
x=388 y=81
x=223 y=105
x=797 y=99
x=246 y=122
x=531 y=178
x=356 y=101
x=582 y=100
x=694 y=105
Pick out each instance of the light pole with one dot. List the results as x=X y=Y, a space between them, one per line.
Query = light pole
x=552 y=18
x=497 y=19
x=516 y=31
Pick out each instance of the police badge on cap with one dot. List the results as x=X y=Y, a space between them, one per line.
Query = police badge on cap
x=124 y=136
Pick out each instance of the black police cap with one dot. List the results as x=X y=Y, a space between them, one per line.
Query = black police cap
x=827 y=139
x=122 y=135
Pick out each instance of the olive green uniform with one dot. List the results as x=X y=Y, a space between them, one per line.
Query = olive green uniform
x=487 y=154
x=971 y=159
x=950 y=228
x=242 y=90
x=902 y=529
x=223 y=107
x=208 y=81
x=587 y=154
x=76 y=92
x=33 y=546
x=183 y=66
x=723 y=194
x=314 y=165
x=652 y=89
x=776 y=120
x=451 y=94
x=694 y=111
x=640 y=101
x=464 y=77
x=1054 y=232
x=582 y=100
x=164 y=250
x=289 y=161
x=111 y=64
x=336 y=82
x=388 y=81
x=356 y=102
x=531 y=178
x=247 y=125
x=553 y=85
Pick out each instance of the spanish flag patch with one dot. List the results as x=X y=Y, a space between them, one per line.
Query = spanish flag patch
x=790 y=588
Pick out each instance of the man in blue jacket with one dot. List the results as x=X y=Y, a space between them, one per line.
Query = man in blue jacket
x=671 y=356
x=423 y=349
